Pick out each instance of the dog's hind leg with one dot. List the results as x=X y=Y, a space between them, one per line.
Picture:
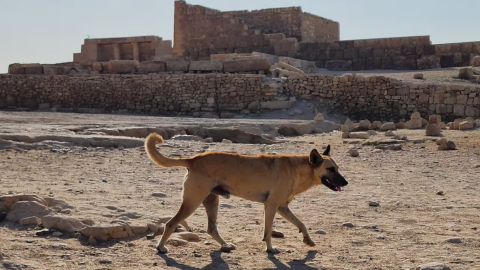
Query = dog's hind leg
x=195 y=190
x=211 y=207
x=285 y=212
x=270 y=210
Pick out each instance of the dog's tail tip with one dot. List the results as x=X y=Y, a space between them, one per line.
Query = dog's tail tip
x=155 y=137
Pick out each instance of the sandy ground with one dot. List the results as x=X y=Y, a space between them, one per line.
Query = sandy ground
x=408 y=229
x=431 y=76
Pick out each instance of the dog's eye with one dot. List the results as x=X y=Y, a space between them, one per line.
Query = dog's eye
x=332 y=169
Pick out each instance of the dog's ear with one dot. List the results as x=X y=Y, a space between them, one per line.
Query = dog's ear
x=327 y=151
x=315 y=158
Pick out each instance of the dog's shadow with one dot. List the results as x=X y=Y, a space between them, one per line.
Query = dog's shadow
x=219 y=263
x=294 y=264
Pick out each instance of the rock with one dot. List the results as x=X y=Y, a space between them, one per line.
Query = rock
x=92 y=241
x=298 y=112
x=320 y=232
x=7 y=201
x=139 y=229
x=277 y=234
x=23 y=209
x=424 y=122
x=353 y=152
x=227 y=141
x=291 y=113
x=442 y=125
x=465 y=125
x=42 y=232
x=389 y=133
x=226 y=205
x=346 y=128
x=208 y=140
x=189 y=236
x=56 y=204
x=254 y=106
x=359 y=135
x=108 y=232
x=153 y=227
x=454 y=240
x=187 y=138
x=150 y=236
x=476 y=61
x=372 y=132
x=375 y=125
x=30 y=221
x=287 y=131
x=88 y=222
x=440 y=193
x=400 y=125
x=57 y=234
x=62 y=223
x=388 y=126
x=319 y=117
x=105 y=261
x=177 y=242
x=414 y=124
x=345 y=135
x=348 y=225
x=478 y=78
x=433 y=130
x=448 y=145
x=373 y=204
x=364 y=125
x=434 y=119
x=418 y=76
x=415 y=115
x=465 y=73
x=433 y=266
x=159 y=194
x=441 y=141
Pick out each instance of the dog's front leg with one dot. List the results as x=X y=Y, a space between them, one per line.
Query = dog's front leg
x=285 y=212
x=270 y=210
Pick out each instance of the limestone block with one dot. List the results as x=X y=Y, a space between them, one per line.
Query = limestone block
x=206 y=66
x=122 y=66
x=243 y=65
x=152 y=67
x=177 y=65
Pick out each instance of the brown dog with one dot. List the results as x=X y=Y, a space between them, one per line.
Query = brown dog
x=273 y=180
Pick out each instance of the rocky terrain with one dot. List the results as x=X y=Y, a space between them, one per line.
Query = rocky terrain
x=98 y=202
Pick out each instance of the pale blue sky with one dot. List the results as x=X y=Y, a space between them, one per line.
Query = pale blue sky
x=50 y=31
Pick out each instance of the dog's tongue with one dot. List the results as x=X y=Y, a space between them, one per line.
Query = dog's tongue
x=339 y=188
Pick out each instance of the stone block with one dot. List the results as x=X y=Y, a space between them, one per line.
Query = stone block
x=338 y=65
x=243 y=65
x=403 y=63
x=16 y=69
x=359 y=64
x=409 y=50
x=392 y=52
x=428 y=62
x=387 y=63
x=476 y=61
x=350 y=54
x=122 y=66
x=152 y=67
x=429 y=50
x=472 y=111
x=54 y=70
x=365 y=52
x=441 y=108
x=459 y=110
x=33 y=69
x=447 y=60
x=174 y=65
x=206 y=66
x=378 y=52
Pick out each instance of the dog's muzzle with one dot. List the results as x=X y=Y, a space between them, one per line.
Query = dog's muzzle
x=335 y=182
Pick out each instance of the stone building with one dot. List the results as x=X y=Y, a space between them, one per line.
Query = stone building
x=145 y=48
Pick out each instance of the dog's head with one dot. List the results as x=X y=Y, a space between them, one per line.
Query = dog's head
x=325 y=169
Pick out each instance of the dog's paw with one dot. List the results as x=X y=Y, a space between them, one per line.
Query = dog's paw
x=162 y=250
x=228 y=247
x=273 y=250
x=308 y=241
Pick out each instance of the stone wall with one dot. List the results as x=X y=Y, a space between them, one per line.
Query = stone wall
x=318 y=29
x=384 y=98
x=200 y=31
x=148 y=94
x=375 y=98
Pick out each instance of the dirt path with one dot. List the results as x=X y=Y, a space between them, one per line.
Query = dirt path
x=409 y=227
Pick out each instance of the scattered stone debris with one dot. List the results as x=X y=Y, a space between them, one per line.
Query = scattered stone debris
x=159 y=194
x=389 y=133
x=388 y=126
x=353 y=152
x=277 y=234
x=454 y=240
x=320 y=232
x=440 y=193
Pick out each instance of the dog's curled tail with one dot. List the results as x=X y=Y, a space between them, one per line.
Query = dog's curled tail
x=158 y=158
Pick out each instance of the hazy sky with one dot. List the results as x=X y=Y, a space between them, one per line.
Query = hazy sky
x=50 y=31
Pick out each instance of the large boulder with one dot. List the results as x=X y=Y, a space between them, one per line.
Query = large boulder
x=464 y=125
x=7 y=201
x=177 y=65
x=415 y=115
x=376 y=125
x=152 y=67
x=448 y=145
x=388 y=126
x=244 y=65
x=25 y=209
x=434 y=119
x=476 y=61
x=465 y=73
x=62 y=223
x=433 y=130
x=364 y=125
x=414 y=124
